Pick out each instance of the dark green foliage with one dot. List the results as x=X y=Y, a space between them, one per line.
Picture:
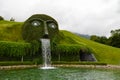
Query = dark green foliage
x=1 y=18
x=14 y=48
x=19 y=50
x=31 y=32
x=113 y=32
x=78 y=63
x=69 y=52
x=9 y=63
x=94 y=38
x=103 y=40
x=115 y=38
x=35 y=47
x=41 y=16
x=12 y=19
x=100 y=39
x=67 y=49
x=71 y=48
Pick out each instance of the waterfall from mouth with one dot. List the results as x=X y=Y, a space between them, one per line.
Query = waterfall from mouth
x=46 y=53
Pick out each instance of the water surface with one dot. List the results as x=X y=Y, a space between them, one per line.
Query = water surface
x=60 y=74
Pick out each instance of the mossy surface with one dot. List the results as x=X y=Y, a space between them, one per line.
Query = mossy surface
x=33 y=32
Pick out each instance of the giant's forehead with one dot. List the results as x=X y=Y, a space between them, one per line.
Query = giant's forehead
x=42 y=17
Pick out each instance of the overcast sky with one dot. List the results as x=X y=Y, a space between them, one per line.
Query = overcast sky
x=97 y=17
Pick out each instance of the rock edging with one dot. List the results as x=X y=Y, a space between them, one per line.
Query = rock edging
x=17 y=67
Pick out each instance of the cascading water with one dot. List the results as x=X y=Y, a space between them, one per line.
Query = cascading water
x=46 y=53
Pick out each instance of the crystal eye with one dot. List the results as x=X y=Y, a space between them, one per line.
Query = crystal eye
x=35 y=23
x=52 y=25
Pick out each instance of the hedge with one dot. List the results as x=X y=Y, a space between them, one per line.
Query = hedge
x=79 y=63
x=8 y=48
x=9 y=63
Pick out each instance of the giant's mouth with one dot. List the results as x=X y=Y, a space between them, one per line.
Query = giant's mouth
x=45 y=36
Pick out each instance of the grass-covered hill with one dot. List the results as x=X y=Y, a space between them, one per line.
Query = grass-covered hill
x=103 y=52
x=11 y=31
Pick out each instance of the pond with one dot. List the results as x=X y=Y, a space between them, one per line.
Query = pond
x=60 y=74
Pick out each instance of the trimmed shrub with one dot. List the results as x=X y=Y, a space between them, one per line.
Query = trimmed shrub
x=19 y=50
x=14 y=48
x=79 y=63
x=69 y=52
x=9 y=63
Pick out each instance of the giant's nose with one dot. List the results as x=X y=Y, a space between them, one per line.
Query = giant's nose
x=46 y=34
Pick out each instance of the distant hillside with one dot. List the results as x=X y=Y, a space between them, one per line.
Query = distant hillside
x=11 y=31
x=83 y=35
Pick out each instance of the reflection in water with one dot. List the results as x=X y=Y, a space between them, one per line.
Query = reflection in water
x=90 y=75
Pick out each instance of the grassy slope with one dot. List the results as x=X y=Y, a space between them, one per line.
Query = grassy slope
x=103 y=53
x=11 y=31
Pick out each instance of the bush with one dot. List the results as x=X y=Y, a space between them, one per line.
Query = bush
x=12 y=19
x=37 y=61
x=69 y=52
x=79 y=63
x=1 y=18
x=15 y=49
x=9 y=63
x=18 y=50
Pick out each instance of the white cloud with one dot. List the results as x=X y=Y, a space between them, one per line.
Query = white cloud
x=83 y=16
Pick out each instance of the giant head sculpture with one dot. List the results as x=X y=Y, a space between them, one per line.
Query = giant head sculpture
x=39 y=26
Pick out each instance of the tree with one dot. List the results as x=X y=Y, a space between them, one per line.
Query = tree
x=114 y=32
x=12 y=19
x=95 y=38
x=102 y=39
x=1 y=18
x=115 y=38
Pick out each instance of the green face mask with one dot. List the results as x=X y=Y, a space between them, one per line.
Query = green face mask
x=39 y=26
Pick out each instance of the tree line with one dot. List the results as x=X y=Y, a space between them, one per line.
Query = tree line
x=113 y=40
x=11 y=19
